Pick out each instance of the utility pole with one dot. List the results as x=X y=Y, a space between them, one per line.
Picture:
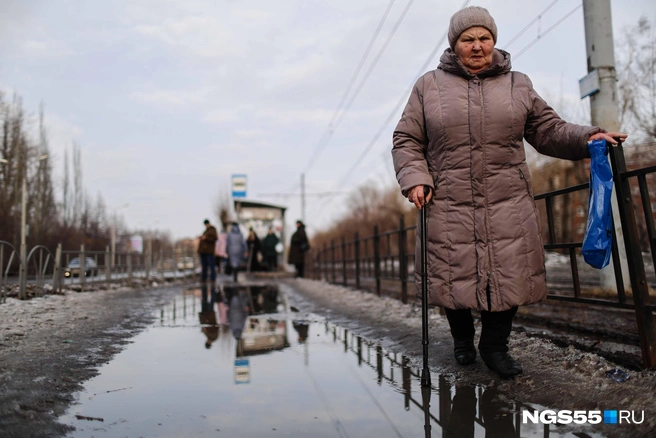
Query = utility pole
x=22 y=292
x=303 y=197
x=603 y=106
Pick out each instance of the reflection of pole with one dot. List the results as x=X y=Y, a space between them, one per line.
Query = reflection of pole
x=22 y=294
x=426 y=396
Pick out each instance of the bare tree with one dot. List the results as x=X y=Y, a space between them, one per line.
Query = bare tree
x=636 y=71
x=223 y=208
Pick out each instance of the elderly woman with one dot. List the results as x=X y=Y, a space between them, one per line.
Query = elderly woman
x=461 y=135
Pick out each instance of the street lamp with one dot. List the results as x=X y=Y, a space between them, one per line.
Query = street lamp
x=22 y=273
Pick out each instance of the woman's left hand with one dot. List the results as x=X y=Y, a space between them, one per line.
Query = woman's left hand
x=608 y=136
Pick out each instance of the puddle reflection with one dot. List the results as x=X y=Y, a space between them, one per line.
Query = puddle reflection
x=266 y=369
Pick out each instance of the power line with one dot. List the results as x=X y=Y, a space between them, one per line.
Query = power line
x=539 y=37
x=331 y=130
x=521 y=32
x=348 y=174
x=324 y=137
x=398 y=105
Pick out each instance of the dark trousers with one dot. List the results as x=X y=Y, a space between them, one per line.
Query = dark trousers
x=235 y=271
x=494 y=334
x=300 y=270
x=207 y=263
x=272 y=261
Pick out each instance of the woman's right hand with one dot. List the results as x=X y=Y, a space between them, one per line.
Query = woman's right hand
x=416 y=196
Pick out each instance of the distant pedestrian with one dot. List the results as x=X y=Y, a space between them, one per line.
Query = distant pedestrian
x=254 y=248
x=206 y=251
x=220 y=254
x=269 y=252
x=236 y=249
x=299 y=245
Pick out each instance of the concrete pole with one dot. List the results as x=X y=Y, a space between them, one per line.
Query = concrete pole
x=603 y=106
x=112 y=260
x=303 y=197
x=22 y=293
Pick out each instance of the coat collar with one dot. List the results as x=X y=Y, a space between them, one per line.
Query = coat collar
x=450 y=62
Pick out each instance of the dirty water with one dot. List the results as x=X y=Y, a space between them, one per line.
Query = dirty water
x=240 y=362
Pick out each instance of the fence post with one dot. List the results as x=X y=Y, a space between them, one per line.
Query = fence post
x=56 y=272
x=403 y=259
x=108 y=272
x=129 y=256
x=318 y=261
x=83 y=268
x=377 y=259
x=332 y=249
x=644 y=316
x=344 y=261
x=357 y=259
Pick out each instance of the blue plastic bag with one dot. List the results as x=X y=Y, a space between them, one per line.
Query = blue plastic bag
x=598 y=240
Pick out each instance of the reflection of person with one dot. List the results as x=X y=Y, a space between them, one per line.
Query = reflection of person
x=460 y=422
x=302 y=328
x=497 y=416
x=254 y=248
x=206 y=251
x=299 y=245
x=237 y=314
x=236 y=249
x=220 y=254
x=461 y=135
x=269 y=252
x=207 y=314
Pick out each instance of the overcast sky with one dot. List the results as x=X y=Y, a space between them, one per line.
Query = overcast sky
x=169 y=98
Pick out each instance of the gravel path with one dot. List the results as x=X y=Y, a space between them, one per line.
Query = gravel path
x=554 y=377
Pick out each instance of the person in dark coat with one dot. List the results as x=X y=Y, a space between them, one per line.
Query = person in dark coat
x=269 y=252
x=299 y=245
x=236 y=249
x=206 y=251
x=254 y=248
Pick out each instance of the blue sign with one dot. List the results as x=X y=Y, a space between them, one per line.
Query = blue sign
x=239 y=186
x=242 y=371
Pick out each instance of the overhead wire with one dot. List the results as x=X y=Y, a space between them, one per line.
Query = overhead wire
x=370 y=145
x=529 y=25
x=394 y=111
x=330 y=131
x=539 y=37
x=324 y=137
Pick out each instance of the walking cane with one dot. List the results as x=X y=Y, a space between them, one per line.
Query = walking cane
x=425 y=373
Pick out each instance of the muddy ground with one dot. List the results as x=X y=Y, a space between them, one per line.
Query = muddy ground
x=554 y=376
x=50 y=346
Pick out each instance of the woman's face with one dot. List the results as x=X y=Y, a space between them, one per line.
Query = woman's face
x=474 y=48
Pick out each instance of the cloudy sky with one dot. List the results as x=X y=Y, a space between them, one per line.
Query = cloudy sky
x=169 y=98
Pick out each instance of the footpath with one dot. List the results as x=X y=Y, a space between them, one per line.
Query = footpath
x=558 y=378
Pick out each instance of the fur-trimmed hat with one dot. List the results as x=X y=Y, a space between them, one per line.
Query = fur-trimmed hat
x=470 y=17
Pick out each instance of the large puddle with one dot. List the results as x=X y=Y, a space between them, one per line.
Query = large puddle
x=238 y=362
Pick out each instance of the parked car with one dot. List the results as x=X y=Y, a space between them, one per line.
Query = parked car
x=185 y=263
x=73 y=268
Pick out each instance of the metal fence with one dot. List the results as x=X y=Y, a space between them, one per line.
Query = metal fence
x=44 y=271
x=385 y=261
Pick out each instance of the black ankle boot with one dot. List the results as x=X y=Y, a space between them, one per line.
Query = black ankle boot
x=501 y=363
x=464 y=351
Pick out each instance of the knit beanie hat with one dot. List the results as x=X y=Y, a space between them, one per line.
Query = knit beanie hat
x=470 y=17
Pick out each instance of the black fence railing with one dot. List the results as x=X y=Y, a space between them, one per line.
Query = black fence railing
x=385 y=262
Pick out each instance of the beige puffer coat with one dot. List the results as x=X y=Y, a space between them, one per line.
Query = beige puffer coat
x=461 y=134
